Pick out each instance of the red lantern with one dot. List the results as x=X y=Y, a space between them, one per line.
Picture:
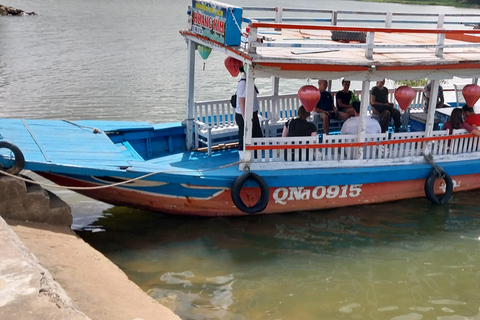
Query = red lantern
x=233 y=66
x=471 y=93
x=404 y=96
x=309 y=97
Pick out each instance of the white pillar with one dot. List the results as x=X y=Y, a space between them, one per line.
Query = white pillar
x=190 y=94
x=431 y=108
x=249 y=98
x=362 y=125
x=440 y=37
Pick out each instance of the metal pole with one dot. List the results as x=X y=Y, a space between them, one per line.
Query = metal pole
x=249 y=101
x=362 y=126
x=190 y=95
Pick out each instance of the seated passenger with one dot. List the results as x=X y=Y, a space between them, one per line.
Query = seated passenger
x=299 y=126
x=456 y=122
x=351 y=125
x=326 y=108
x=470 y=116
x=381 y=106
x=345 y=98
x=427 y=93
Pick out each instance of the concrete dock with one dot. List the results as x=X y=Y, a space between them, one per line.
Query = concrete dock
x=48 y=272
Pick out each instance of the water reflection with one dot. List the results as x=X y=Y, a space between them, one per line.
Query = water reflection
x=403 y=260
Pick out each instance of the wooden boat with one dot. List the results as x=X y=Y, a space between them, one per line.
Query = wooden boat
x=161 y=166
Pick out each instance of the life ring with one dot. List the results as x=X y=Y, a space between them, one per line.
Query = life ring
x=19 y=158
x=264 y=193
x=429 y=189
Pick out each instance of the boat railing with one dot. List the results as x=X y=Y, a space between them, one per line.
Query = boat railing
x=215 y=120
x=377 y=149
x=370 y=46
x=335 y=17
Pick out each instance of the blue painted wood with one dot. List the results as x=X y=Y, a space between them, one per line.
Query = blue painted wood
x=77 y=150
x=62 y=143
x=132 y=151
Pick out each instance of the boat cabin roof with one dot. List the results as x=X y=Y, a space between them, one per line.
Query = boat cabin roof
x=305 y=49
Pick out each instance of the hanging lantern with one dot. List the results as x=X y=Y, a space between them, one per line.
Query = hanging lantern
x=404 y=96
x=204 y=51
x=233 y=66
x=471 y=93
x=309 y=97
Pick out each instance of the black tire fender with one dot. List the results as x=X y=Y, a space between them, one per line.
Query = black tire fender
x=19 y=158
x=429 y=187
x=264 y=193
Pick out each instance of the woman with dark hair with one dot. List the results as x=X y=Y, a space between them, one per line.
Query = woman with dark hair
x=240 y=110
x=299 y=126
x=456 y=122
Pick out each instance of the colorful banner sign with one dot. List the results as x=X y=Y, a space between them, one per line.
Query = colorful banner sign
x=217 y=21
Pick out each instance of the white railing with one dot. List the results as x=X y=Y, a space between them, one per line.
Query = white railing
x=335 y=17
x=370 y=45
x=215 y=120
x=376 y=147
x=293 y=149
x=465 y=145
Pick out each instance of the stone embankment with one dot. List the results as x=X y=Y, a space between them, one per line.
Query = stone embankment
x=26 y=201
x=11 y=11
x=48 y=272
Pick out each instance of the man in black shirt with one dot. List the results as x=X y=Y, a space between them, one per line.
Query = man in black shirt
x=381 y=106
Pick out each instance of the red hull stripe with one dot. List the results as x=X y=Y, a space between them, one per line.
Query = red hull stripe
x=282 y=199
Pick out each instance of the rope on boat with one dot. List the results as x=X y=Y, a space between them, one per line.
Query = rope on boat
x=95 y=130
x=116 y=183
x=235 y=20
x=429 y=158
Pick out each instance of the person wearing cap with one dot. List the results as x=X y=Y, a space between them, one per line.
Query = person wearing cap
x=351 y=125
x=470 y=116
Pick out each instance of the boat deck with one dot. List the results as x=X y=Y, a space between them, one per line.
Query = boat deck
x=401 y=48
x=306 y=49
x=80 y=147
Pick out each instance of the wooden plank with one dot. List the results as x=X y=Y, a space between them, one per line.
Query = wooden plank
x=61 y=142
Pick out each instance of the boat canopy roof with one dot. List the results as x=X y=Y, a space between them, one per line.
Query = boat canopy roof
x=334 y=44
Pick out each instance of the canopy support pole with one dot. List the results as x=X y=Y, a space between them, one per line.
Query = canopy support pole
x=249 y=101
x=430 y=123
x=362 y=126
x=190 y=95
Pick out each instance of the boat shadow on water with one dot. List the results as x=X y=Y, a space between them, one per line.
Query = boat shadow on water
x=322 y=231
x=191 y=264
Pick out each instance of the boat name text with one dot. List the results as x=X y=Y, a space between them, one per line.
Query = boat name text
x=209 y=22
x=282 y=195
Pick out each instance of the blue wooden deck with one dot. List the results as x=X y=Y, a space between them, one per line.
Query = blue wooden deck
x=67 y=143
x=73 y=146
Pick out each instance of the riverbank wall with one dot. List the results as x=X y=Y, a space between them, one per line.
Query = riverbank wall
x=48 y=272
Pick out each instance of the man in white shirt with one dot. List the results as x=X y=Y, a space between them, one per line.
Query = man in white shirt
x=350 y=126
